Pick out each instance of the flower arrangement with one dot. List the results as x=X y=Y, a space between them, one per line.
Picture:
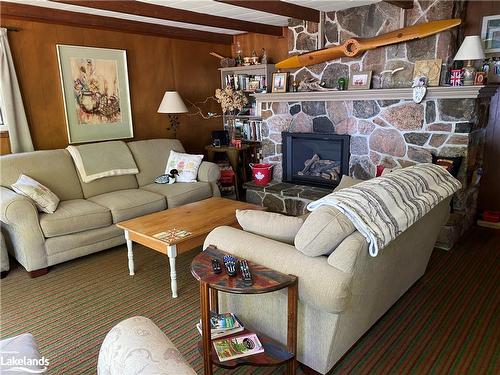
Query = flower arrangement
x=230 y=99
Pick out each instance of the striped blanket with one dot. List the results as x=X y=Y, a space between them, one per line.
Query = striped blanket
x=384 y=207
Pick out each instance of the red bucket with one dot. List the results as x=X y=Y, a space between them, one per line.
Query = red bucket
x=261 y=173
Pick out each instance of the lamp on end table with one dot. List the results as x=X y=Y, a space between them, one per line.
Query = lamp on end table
x=172 y=104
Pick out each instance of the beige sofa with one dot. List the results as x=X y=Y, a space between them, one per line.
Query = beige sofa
x=84 y=220
x=340 y=296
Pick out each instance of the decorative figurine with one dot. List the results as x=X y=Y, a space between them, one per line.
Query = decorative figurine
x=295 y=85
x=342 y=83
x=419 y=89
x=263 y=56
x=167 y=178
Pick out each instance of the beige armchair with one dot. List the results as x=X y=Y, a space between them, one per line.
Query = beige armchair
x=137 y=346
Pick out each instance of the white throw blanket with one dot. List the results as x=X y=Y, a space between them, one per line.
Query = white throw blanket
x=384 y=207
x=105 y=159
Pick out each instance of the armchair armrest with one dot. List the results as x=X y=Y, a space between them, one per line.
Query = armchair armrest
x=21 y=218
x=138 y=345
x=208 y=172
x=321 y=285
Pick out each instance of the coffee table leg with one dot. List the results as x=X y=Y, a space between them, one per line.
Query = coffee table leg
x=172 y=253
x=130 y=254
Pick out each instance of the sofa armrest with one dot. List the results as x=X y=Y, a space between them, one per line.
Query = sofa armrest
x=137 y=345
x=320 y=285
x=208 y=172
x=20 y=215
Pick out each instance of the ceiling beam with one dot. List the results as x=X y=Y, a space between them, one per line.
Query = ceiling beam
x=64 y=17
x=179 y=15
x=403 y=4
x=277 y=7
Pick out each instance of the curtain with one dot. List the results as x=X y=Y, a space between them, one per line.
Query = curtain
x=12 y=103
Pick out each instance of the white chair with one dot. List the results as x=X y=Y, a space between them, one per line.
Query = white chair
x=137 y=346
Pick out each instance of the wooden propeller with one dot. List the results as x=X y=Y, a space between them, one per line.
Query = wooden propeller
x=353 y=47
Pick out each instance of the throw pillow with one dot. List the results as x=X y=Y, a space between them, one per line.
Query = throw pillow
x=45 y=200
x=186 y=164
x=271 y=225
x=323 y=230
x=346 y=182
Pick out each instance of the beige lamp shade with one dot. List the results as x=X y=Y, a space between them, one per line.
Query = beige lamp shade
x=471 y=49
x=172 y=103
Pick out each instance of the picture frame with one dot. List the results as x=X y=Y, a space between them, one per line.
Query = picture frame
x=490 y=33
x=96 y=93
x=480 y=78
x=280 y=82
x=431 y=69
x=360 y=80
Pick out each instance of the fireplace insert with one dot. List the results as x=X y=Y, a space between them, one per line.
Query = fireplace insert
x=315 y=159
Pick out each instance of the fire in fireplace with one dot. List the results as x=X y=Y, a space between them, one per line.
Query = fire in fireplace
x=315 y=159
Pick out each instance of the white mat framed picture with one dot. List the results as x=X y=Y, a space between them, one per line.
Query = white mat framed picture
x=95 y=92
x=490 y=33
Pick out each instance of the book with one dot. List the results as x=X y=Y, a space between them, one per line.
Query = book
x=223 y=322
x=237 y=347
x=216 y=335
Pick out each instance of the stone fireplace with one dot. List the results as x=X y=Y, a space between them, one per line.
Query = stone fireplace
x=385 y=127
x=315 y=159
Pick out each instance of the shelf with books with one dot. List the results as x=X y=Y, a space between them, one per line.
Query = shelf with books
x=264 y=280
x=250 y=79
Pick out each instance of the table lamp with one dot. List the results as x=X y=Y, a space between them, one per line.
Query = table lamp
x=172 y=104
x=471 y=49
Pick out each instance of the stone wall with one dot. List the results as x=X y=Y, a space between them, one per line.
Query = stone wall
x=369 y=21
x=392 y=133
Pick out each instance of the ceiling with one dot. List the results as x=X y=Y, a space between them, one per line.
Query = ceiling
x=198 y=19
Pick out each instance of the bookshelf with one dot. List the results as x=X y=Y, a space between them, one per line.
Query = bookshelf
x=250 y=79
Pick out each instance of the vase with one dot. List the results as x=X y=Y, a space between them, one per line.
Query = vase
x=231 y=127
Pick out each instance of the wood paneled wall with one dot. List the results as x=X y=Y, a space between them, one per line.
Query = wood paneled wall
x=155 y=64
x=276 y=47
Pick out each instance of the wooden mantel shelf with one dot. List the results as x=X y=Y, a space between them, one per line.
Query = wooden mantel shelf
x=441 y=92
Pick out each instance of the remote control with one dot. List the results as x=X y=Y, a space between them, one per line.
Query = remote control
x=216 y=266
x=245 y=273
x=230 y=264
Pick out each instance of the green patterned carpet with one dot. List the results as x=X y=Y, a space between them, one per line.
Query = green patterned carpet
x=446 y=324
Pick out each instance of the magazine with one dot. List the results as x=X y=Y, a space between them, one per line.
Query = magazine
x=237 y=347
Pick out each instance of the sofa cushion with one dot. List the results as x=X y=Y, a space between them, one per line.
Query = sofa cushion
x=151 y=157
x=181 y=193
x=52 y=168
x=130 y=203
x=73 y=216
x=323 y=230
x=269 y=224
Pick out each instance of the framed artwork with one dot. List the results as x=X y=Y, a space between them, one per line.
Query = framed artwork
x=431 y=69
x=480 y=78
x=95 y=93
x=360 y=80
x=490 y=33
x=280 y=81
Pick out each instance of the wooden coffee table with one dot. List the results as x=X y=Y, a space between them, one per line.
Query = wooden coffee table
x=198 y=218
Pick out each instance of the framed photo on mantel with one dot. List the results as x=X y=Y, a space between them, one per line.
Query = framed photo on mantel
x=95 y=93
